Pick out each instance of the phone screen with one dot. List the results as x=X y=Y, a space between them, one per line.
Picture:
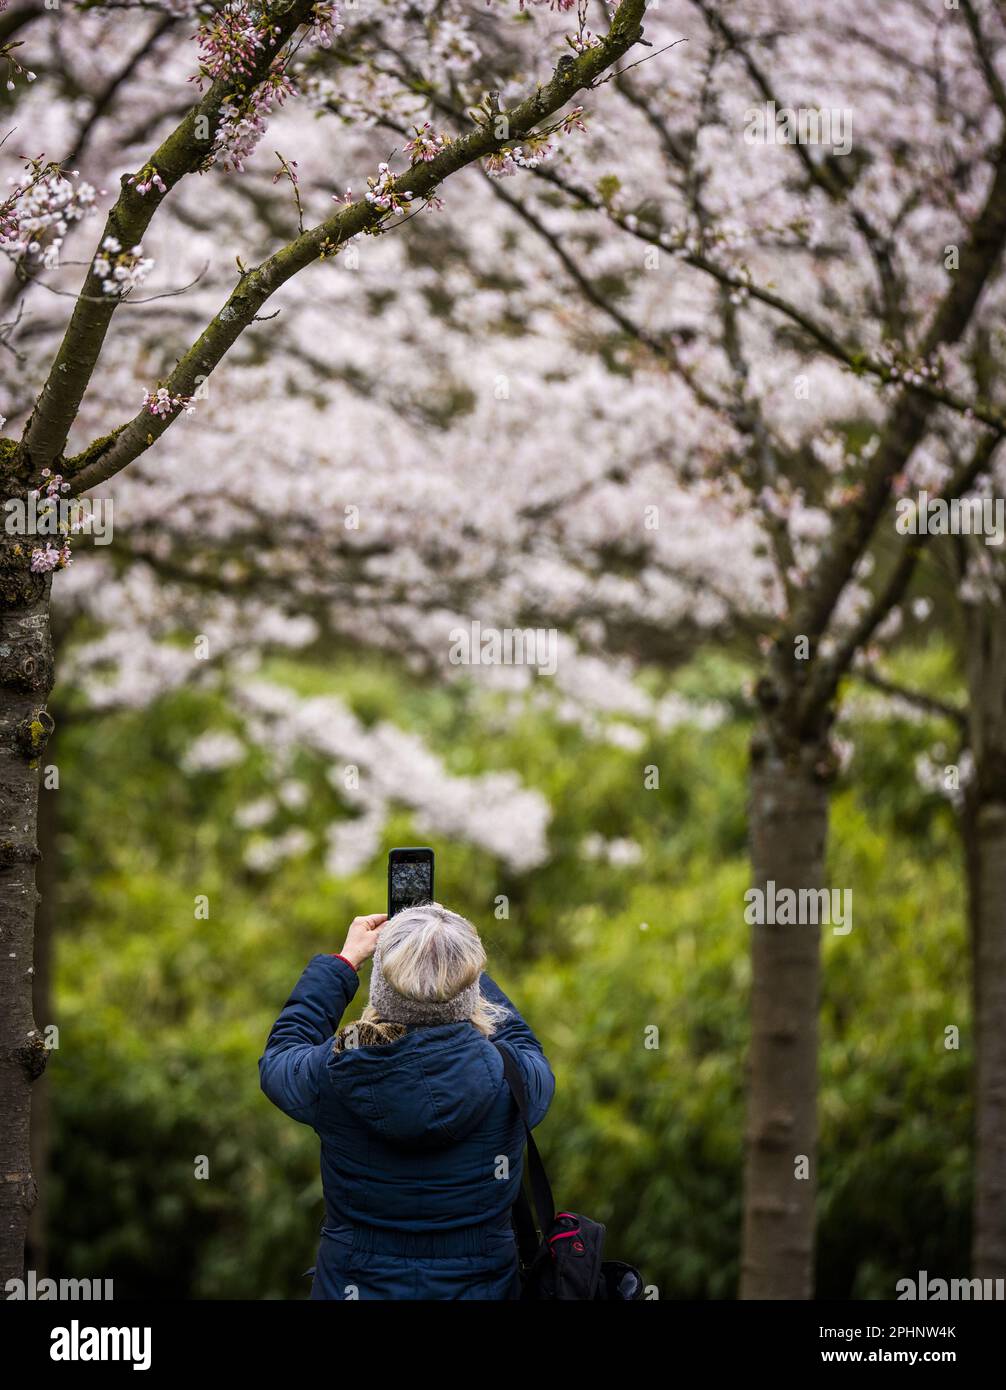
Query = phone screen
x=410 y=878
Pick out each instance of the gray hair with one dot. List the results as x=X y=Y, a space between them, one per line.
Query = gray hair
x=431 y=955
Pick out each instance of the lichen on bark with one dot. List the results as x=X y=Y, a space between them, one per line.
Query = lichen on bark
x=26 y=673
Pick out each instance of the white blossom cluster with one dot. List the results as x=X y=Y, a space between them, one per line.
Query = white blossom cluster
x=39 y=212
x=120 y=271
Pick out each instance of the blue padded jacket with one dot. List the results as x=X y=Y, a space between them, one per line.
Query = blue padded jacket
x=421 y=1143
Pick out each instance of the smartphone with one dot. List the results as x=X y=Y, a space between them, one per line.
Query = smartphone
x=410 y=878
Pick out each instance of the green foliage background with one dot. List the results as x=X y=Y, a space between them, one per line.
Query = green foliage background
x=162 y=1016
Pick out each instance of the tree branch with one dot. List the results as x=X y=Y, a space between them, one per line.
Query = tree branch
x=909 y=419
x=660 y=347
x=104 y=459
x=827 y=675
x=856 y=359
x=182 y=152
x=929 y=704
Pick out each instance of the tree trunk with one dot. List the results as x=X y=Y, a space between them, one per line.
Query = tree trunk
x=26 y=668
x=789 y=826
x=37 y=1251
x=985 y=828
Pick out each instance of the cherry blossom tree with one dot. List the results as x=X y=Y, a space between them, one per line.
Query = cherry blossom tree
x=891 y=257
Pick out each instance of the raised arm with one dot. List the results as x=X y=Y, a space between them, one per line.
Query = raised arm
x=297 y=1049
x=539 y=1083
x=290 y=1069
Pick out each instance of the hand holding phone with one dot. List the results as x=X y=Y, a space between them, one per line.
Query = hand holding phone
x=361 y=939
x=410 y=878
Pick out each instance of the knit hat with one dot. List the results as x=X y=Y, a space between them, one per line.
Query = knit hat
x=392 y=1007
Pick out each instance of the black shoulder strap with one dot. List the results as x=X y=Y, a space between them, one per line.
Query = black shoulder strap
x=541 y=1190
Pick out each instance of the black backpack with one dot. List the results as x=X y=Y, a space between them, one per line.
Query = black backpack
x=566 y=1260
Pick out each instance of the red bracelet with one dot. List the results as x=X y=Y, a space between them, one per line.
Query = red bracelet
x=352 y=967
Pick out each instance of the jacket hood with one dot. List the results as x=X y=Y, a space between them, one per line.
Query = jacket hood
x=425 y=1090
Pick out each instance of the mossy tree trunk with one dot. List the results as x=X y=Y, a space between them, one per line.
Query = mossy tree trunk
x=26 y=672
x=985 y=836
x=37 y=1252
